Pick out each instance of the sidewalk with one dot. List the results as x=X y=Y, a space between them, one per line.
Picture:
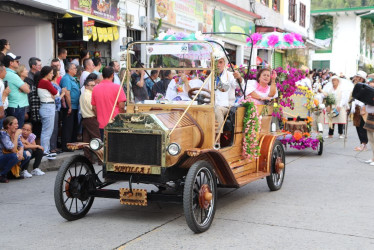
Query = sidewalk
x=53 y=165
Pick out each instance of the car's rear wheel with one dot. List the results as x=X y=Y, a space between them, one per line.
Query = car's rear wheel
x=200 y=196
x=72 y=186
x=277 y=167
x=320 y=148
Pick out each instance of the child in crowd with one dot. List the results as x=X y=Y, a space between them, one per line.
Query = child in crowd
x=31 y=148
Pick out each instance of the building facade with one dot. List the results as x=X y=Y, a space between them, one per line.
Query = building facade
x=346 y=40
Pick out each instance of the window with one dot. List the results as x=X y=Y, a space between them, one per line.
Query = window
x=302 y=14
x=276 y=5
x=292 y=10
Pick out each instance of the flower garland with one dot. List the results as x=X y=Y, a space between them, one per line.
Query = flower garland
x=300 y=140
x=251 y=122
x=179 y=84
x=309 y=95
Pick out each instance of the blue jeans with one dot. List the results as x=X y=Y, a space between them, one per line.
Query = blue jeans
x=7 y=161
x=47 y=114
x=18 y=113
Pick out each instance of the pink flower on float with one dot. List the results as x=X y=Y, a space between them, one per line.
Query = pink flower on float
x=256 y=37
x=289 y=38
x=273 y=40
x=298 y=37
x=170 y=32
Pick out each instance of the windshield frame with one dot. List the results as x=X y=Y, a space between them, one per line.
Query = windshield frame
x=172 y=105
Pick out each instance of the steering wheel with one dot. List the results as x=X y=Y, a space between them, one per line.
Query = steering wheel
x=204 y=95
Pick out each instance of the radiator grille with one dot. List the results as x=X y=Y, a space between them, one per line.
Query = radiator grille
x=143 y=149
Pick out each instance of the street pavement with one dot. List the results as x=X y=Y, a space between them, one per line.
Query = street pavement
x=326 y=202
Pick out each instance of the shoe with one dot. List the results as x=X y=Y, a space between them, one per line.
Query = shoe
x=26 y=174
x=341 y=137
x=37 y=172
x=328 y=136
x=371 y=164
x=52 y=154
x=369 y=161
x=50 y=157
x=3 y=179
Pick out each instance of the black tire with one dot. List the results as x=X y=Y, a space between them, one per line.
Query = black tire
x=75 y=202
x=320 y=148
x=199 y=218
x=275 y=180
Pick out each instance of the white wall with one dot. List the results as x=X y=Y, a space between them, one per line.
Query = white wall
x=345 y=45
x=295 y=26
x=28 y=37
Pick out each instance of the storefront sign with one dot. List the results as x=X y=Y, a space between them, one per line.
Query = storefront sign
x=101 y=9
x=227 y=23
x=191 y=15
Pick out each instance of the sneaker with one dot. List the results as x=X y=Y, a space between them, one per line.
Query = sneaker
x=371 y=164
x=52 y=154
x=50 y=157
x=37 y=172
x=328 y=137
x=26 y=174
x=369 y=161
x=341 y=137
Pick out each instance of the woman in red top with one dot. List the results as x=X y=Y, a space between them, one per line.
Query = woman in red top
x=47 y=93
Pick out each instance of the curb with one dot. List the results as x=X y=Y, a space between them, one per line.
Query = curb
x=54 y=165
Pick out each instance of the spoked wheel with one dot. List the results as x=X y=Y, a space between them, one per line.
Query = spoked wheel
x=72 y=187
x=277 y=167
x=200 y=196
x=320 y=148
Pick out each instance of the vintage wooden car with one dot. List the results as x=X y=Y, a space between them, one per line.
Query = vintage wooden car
x=174 y=147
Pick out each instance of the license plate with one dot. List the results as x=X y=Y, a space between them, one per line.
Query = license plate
x=138 y=197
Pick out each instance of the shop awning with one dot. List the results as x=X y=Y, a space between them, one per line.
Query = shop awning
x=313 y=45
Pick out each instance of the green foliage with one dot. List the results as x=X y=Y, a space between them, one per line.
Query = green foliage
x=339 y=4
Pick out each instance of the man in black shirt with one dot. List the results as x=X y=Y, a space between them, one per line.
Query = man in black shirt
x=139 y=87
x=161 y=86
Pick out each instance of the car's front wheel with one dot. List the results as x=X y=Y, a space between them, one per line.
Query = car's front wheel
x=200 y=196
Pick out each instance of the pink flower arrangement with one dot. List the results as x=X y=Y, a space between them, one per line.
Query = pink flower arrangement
x=298 y=37
x=273 y=40
x=303 y=143
x=255 y=38
x=289 y=38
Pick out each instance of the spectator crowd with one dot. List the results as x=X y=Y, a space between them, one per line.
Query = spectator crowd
x=44 y=108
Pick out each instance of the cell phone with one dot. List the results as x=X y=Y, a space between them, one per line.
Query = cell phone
x=5 y=84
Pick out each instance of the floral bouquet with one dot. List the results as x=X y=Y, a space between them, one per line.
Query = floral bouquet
x=159 y=97
x=252 y=123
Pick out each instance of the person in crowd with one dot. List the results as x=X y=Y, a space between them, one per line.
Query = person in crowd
x=4 y=92
x=369 y=125
x=178 y=87
x=4 y=48
x=116 y=67
x=161 y=86
x=70 y=111
x=98 y=64
x=89 y=121
x=89 y=68
x=12 y=150
x=138 y=86
x=32 y=80
x=103 y=99
x=2 y=111
x=83 y=54
x=62 y=54
x=150 y=81
x=17 y=98
x=359 y=114
x=47 y=94
x=337 y=113
x=58 y=100
x=264 y=87
x=32 y=149
x=56 y=63
x=22 y=72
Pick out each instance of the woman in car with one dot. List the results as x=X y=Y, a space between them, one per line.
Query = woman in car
x=263 y=88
